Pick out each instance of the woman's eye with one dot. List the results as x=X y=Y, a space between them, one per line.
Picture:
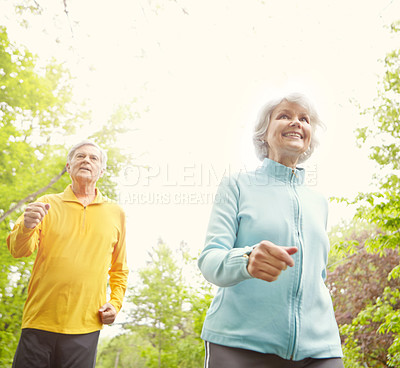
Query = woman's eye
x=284 y=116
x=305 y=120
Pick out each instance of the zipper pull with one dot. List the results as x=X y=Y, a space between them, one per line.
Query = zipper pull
x=294 y=172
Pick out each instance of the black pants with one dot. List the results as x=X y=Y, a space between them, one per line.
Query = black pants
x=218 y=356
x=43 y=349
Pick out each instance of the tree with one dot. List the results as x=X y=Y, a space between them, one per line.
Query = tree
x=31 y=102
x=380 y=211
x=355 y=279
x=168 y=308
x=37 y=112
x=121 y=351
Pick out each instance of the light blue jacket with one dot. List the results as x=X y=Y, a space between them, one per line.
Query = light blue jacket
x=293 y=316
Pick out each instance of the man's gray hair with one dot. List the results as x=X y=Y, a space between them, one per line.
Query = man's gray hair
x=103 y=154
x=264 y=118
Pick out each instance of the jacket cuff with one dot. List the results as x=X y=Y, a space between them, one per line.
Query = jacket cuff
x=242 y=255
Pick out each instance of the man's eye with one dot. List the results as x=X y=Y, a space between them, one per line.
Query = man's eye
x=95 y=158
x=284 y=116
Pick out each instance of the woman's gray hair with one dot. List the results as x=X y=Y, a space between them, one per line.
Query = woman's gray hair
x=103 y=154
x=264 y=118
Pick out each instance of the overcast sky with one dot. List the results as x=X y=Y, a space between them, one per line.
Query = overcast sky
x=200 y=70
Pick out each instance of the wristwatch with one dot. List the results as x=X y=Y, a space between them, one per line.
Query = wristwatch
x=247 y=252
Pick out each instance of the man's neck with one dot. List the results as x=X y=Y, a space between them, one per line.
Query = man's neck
x=84 y=193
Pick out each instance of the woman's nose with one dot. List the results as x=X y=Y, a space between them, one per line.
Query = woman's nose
x=295 y=122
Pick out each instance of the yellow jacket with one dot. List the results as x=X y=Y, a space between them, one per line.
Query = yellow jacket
x=78 y=247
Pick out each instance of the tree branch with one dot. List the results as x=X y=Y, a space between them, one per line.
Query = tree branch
x=32 y=196
x=67 y=14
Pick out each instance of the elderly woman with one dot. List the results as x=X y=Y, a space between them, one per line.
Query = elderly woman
x=267 y=249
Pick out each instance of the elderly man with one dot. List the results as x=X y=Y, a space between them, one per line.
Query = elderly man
x=80 y=238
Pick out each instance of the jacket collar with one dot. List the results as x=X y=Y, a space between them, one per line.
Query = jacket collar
x=283 y=173
x=69 y=196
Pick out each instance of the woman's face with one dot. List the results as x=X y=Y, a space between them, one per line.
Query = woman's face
x=289 y=133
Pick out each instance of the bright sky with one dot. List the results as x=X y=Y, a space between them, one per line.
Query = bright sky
x=202 y=69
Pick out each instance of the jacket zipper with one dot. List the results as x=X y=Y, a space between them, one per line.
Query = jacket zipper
x=296 y=304
x=83 y=220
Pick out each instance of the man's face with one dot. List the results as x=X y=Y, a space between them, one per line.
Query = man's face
x=85 y=164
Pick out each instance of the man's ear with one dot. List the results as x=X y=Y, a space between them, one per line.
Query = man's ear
x=101 y=173
x=67 y=167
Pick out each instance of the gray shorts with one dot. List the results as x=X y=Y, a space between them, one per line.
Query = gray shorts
x=43 y=349
x=218 y=356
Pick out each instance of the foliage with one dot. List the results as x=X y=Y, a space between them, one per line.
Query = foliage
x=37 y=114
x=385 y=112
x=115 y=127
x=359 y=279
x=369 y=279
x=30 y=107
x=168 y=309
x=121 y=351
